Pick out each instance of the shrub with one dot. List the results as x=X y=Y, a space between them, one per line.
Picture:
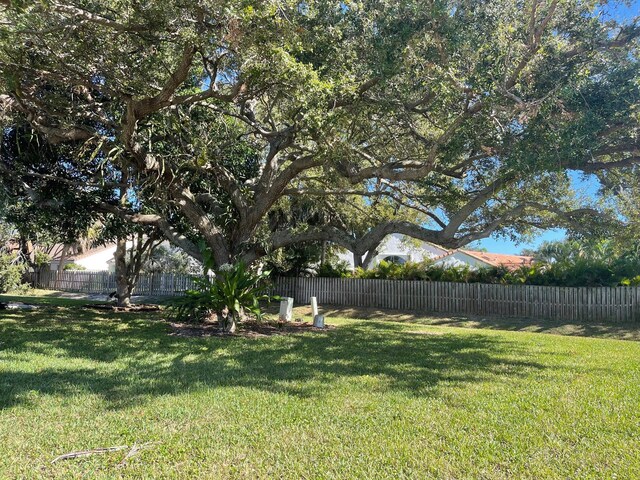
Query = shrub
x=383 y=270
x=491 y=275
x=577 y=272
x=74 y=266
x=394 y=271
x=630 y=282
x=567 y=264
x=11 y=271
x=334 y=270
x=42 y=259
x=232 y=291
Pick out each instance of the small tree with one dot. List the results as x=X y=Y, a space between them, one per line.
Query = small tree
x=233 y=290
x=11 y=270
x=129 y=262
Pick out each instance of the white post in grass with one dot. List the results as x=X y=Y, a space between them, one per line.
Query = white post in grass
x=286 y=309
x=318 y=321
x=314 y=307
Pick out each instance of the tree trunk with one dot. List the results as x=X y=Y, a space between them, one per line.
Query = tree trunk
x=226 y=321
x=123 y=291
x=231 y=326
x=357 y=260
x=323 y=253
x=27 y=251
x=368 y=259
x=63 y=258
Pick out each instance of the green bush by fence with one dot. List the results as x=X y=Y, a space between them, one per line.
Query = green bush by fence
x=582 y=273
x=11 y=271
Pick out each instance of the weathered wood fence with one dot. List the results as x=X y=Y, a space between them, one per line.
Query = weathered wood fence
x=560 y=303
x=105 y=282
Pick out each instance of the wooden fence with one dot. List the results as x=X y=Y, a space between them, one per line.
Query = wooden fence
x=559 y=303
x=105 y=282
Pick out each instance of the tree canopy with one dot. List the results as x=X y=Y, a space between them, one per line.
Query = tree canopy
x=260 y=125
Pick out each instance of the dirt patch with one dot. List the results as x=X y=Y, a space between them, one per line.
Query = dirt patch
x=129 y=309
x=251 y=329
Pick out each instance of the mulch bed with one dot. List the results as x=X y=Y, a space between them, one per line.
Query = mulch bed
x=130 y=309
x=250 y=328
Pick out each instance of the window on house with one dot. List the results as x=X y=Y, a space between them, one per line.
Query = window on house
x=395 y=259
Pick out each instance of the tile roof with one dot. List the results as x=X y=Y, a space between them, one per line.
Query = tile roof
x=512 y=262
x=501 y=259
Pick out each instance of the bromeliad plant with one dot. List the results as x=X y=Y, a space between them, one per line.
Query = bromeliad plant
x=230 y=292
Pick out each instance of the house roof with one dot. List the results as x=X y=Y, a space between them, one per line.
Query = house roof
x=439 y=247
x=56 y=251
x=501 y=259
x=512 y=262
x=393 y=244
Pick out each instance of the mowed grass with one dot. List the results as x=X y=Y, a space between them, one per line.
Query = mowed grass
x=50 y=298
x=370 y=399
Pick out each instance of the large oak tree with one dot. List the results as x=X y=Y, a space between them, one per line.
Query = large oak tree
x=447 y=121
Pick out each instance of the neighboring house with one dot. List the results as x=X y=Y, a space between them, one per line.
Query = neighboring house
x=101 y=258
x=399 y=249
x=98 y=259
x=95 y=259
x=475 y=260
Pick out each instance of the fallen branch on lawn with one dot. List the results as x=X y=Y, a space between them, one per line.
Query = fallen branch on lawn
x=86 y=453
x=133 y=450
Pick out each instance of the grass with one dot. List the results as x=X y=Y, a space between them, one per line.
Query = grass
x=614 y=330
x=371 y=399
x=48 y=297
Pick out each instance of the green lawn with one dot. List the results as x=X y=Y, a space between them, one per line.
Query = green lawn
x=370 y=399
x=49 y=297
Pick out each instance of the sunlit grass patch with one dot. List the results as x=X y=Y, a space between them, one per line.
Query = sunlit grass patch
x=370 y=399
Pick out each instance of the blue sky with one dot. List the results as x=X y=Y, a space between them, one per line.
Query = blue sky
x=620 y=12
x=583 y=185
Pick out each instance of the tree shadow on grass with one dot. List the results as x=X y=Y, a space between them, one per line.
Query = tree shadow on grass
x=127 y=359
x=614 y=330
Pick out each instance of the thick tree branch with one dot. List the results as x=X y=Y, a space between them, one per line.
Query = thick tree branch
x=158 y=221
x=479 y=199
x=87 y=16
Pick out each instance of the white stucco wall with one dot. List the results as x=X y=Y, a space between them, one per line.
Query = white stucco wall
x=399 y=245
x=99 y=261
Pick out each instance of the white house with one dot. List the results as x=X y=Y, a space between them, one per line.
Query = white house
x=400 y=249
x=95 y=259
